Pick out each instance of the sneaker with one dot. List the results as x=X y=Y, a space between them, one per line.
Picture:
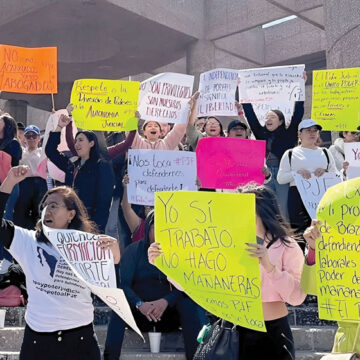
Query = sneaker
x=4 y=266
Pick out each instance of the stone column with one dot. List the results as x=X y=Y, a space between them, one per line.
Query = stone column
x=342 y=27
x=17 y=109
x=200 y=57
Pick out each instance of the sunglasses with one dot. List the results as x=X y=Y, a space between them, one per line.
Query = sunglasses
x=31 y=136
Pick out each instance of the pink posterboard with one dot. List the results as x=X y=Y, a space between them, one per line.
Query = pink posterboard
x=225 y=163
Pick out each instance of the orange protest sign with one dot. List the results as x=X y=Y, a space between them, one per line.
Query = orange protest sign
x=28 y=70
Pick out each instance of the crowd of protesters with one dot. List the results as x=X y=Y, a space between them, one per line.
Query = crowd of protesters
x=95 y=180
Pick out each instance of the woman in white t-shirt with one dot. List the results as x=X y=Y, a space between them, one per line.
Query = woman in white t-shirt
x=59 y=314
x=305 y=159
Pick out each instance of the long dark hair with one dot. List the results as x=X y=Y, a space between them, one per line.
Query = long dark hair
x=72 y=201
x=149 y=221
x=268 y=209
x=10 y=130
x=94 y=151
x=281 y=117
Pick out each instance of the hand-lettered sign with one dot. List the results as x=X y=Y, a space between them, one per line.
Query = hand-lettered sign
x=312 y=190
x=272 y=85
x=105 y=105
x=217 y=93
x=159 y=170
x=338 y=253
x=352 y=156
x=261 y=109
x=93 y=266
x=28 y=70
x=336 y=99
x=203 y=237
x=165 y=98
x=226 y=163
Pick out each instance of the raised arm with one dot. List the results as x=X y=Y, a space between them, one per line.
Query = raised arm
x=7 y=229
x=132 y=219
x=192 y=134
x=296 y=118
x=253 y=121
x=69 y=136
x=51 y=150
x=122 y=147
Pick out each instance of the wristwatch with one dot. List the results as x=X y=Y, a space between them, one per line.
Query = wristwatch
x=138 y=304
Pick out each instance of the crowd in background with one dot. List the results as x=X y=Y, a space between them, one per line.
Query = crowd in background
x=94 y=166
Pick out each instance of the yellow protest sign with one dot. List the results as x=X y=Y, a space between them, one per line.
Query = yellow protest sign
x=336 y=99
x=338 y=253
x=202 y=237
x=105 y=105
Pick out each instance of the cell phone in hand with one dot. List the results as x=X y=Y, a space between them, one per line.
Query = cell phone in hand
x=259 y=240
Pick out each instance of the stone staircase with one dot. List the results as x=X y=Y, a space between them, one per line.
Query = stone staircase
x=313 y=338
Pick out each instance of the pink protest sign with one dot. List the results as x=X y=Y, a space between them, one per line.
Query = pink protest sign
x=225 y=163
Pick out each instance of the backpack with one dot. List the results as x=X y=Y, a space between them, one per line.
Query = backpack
x=11 y=296
x=323 y=149
x=12 y=287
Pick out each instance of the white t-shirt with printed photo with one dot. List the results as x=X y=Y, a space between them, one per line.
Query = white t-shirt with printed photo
x=58 y=300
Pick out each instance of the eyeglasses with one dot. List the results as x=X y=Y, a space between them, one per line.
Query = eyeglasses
x=53 y=207
x=213 y=124
x=31 y=136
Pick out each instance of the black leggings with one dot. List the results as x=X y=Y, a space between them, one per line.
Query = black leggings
x=72 y=344
x=276 y=344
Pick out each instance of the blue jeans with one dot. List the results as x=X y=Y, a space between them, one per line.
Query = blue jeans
x=281 y=191
x=8 y=215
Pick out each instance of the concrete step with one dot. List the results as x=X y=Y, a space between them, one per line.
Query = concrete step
x=126 y=355
x=305 y=338
x=304 y=315
x=300 y=355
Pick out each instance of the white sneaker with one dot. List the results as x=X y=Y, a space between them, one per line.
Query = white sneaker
x=4 y=266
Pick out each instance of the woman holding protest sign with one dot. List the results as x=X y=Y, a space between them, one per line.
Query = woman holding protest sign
x=279 y=138
x=281 y=262
x=91 y=177
x=59 y=316
x=212 y=127
x=305 y=159
x=152 y=133
x=337 y=149
x=347 y=337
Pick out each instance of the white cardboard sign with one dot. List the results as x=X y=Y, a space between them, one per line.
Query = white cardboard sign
x=165 y=98
x=159 y=170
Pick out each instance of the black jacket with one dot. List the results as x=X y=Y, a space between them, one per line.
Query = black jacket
x=93 y=181
x=280 y=140
x=142 y=281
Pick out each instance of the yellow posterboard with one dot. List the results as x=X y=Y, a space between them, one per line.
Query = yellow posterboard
x=338 y=253
x=105 y=105
x=336 y=99
x=202 y=237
